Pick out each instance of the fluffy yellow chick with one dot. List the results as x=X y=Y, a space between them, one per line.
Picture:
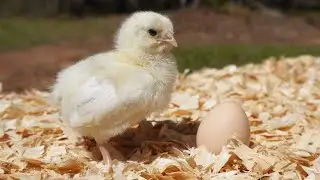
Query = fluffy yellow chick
x=103 y=95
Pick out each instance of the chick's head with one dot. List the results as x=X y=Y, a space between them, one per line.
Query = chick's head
x=146 y=31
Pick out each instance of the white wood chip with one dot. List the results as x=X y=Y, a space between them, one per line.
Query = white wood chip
x=34 y=152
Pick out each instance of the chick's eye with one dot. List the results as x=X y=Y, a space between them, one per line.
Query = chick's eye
x=152 y=32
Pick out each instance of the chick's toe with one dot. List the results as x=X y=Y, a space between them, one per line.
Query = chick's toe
x=105 y=154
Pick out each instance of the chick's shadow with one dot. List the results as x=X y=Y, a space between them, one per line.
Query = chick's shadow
x=151 y=139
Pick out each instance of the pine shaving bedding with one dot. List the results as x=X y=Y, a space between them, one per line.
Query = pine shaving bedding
x=280 y=97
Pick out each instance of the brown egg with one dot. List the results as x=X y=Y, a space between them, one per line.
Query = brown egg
x=221 y=123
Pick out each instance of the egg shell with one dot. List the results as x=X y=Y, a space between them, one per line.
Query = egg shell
x=224 y=121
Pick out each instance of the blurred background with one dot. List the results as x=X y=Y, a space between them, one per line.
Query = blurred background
x=40 y=37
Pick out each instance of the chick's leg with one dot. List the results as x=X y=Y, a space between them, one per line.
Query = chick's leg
x=105 y=154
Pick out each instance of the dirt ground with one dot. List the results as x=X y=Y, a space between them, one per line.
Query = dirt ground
x=36 y=67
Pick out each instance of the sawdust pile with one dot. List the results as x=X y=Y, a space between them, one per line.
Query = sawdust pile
x=280 y=97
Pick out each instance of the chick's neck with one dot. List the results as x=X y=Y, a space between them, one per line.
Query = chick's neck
x=143 y=59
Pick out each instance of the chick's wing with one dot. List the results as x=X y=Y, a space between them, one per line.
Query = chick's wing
x=94 y=99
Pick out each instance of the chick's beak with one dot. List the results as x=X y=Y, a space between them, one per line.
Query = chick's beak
x=170 y=39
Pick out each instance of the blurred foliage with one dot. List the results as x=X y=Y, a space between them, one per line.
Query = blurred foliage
x=27 y=7
x=216 y=4
x=85 y=7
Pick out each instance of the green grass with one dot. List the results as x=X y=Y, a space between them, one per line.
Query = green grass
x=19 y=33
x=220 y=55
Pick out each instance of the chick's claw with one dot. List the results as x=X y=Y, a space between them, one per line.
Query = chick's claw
x=105 y=154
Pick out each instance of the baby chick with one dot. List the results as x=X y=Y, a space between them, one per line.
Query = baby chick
x=104 y=94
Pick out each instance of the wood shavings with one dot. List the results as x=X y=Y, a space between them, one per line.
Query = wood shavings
x=185 y=101
x=309 y=141
x=34 y=152
x=281 y=98
x=28 y=176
